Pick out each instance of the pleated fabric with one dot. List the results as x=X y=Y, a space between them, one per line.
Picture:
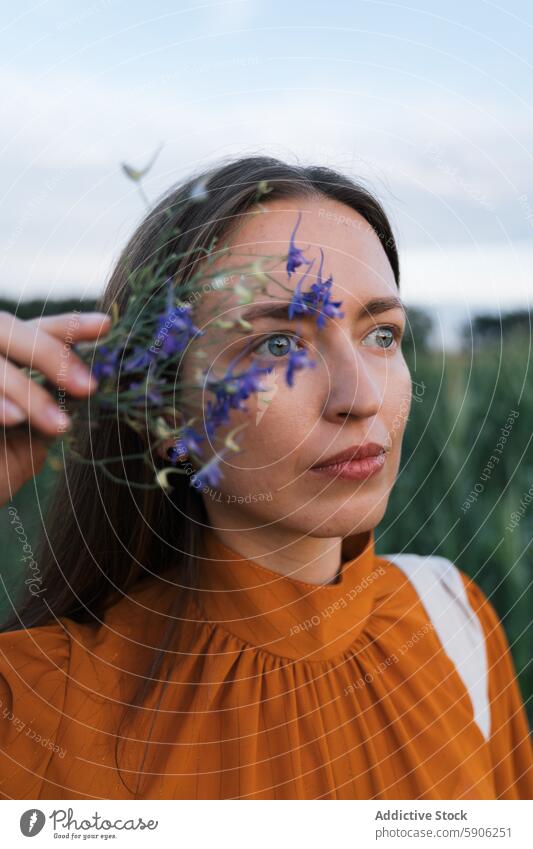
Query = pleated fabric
x=274 y=688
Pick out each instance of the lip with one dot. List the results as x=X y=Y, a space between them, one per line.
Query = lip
x=355 y=463
x=354 y=452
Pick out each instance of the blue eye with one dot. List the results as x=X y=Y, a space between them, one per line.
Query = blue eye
x=277 y=345
x=385 y=334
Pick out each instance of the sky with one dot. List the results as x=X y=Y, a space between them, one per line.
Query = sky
x=429 y=104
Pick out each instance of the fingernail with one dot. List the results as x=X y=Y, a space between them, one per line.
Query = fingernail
x=57 y=416
x=11 y=412
x=92 y=316
x=83 y=378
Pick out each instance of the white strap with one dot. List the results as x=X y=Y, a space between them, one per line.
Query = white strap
x=442 y=592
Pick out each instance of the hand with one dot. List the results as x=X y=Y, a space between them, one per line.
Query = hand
x=41 y=344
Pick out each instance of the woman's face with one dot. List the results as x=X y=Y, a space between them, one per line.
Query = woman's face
x=359 y=391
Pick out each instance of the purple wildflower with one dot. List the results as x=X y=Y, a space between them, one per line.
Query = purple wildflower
x=191 y=439
x=187 y=441
x=139 y=360
x=175 y=326
x=148 y=392
x=319 y=297
x=295 y=257
x=173 y=332
x=297 y=359
x=298 y=303
x=106 y=362
x=209 y=474
x=176 y=452
x=230 y=392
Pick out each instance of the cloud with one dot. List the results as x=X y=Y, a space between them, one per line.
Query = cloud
x=449 y=172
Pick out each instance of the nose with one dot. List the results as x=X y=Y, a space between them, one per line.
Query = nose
x=353 y=388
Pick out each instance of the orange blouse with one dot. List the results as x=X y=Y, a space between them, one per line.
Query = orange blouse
x=276 y=689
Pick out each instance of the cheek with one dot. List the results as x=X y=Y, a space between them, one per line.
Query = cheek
x=397 y=399
x=278 y=422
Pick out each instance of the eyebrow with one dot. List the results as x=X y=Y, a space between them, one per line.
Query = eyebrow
x=278 y=309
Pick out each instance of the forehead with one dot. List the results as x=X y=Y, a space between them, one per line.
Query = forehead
x=353 y=252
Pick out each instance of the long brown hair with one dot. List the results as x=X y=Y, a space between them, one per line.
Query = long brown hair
x=102 y=538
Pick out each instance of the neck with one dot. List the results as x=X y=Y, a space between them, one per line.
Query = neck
x=315 y=560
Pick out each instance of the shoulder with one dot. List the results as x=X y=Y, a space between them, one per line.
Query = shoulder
x=72 y=653
x=501 y=666
x=36 y=664
x=492 y=624
x=434 y=575
x=502 y=672
x=493 y=651
x=511 y=745
x=436 y=578
x=48 y=671
x=471 y=632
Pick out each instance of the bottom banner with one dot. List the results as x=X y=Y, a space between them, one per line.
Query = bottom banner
x=251 y=824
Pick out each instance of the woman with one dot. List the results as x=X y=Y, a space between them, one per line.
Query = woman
x=245 y=640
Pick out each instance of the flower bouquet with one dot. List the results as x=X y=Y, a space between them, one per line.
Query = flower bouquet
x=139 y=362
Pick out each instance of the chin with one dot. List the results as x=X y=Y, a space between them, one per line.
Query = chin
x=348 y=524
x=347 y=519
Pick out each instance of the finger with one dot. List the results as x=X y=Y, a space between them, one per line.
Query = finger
x=10 y=413
x=74 y=326
x=38 y=406
x=28 y=344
